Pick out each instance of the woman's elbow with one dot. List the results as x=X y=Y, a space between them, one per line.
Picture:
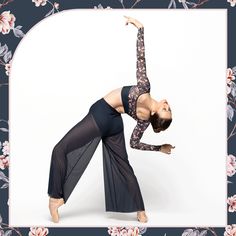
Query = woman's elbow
x=133 y=145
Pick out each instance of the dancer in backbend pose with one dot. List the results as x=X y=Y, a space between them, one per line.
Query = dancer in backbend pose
x=72 y=153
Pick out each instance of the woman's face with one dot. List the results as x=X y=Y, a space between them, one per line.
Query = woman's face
x=163 y=109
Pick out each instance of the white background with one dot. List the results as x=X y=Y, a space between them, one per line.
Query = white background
x=69 y=60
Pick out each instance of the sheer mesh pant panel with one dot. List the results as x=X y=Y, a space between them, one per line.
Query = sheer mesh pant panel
x=71 y=155
x=122 y=190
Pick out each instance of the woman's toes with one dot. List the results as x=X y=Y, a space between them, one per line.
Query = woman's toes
x=142 y=217
x=54 y=215
x=54 y=204
x=54 y=212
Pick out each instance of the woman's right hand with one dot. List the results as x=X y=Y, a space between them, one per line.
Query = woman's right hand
x=166 y=148
x=133 y=21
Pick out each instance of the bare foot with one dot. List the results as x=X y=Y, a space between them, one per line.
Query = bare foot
x=142 y=217
x=54 y=204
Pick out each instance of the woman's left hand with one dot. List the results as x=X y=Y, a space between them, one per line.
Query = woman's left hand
x=166 y=148
x=133 y=21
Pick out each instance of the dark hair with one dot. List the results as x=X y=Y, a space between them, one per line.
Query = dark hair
x=159 y=123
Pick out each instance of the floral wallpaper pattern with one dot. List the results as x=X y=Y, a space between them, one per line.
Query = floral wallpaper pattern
x=11 y=34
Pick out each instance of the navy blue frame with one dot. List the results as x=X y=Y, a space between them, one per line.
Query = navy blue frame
x=27 y=15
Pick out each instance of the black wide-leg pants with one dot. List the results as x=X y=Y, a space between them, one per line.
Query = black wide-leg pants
x=72 y=154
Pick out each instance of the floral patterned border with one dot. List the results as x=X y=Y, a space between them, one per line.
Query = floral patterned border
x=11 y=34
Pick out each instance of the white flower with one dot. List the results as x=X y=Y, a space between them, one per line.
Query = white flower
x=232 y=2
x=39 y=2
x=8 y=67
x=5 y=149
x=56 y=5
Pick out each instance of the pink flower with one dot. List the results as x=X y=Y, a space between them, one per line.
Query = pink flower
x=231 y=165
x=123 y=231
x=114 y=231
x=56 y=5
x=230 y=230
x=232 y=203
x=8 y=67
x=230 y=76
x=39 y=2
x=4 y=162
x=232 y=2
x=6 y=148
x=134 y=231
x=7 y=22
x=38 y=231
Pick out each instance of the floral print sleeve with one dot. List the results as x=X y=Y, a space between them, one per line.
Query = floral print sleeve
x=132 y=93
x=141 y=74
x=137 y=135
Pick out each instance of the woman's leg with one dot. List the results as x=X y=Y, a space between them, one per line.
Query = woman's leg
x=69 y=159
x=122 y=190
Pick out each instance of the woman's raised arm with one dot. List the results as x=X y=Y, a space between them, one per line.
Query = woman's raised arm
x=141 y=74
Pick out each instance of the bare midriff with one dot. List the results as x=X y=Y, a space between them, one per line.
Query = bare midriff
x=113 y=98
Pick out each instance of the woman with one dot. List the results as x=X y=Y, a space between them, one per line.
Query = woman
x=73 y=152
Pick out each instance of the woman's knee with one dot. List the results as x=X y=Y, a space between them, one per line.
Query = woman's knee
x=58 y=150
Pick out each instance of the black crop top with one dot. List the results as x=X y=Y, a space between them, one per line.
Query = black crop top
x=125 y=97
